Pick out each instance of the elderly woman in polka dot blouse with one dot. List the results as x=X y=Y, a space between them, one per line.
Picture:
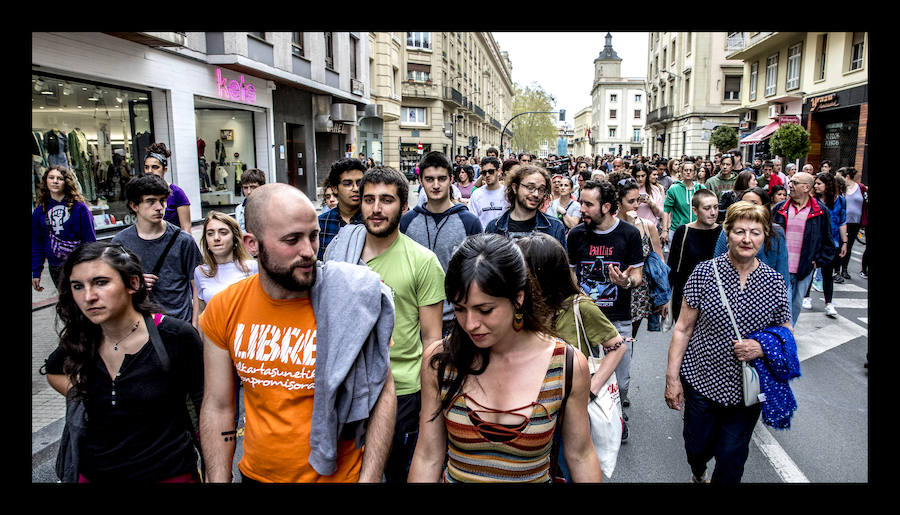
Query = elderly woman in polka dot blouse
x=704 y=364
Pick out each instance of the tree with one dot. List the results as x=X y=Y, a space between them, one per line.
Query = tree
x=790 y=141
x=724 y=138
x=530 y=130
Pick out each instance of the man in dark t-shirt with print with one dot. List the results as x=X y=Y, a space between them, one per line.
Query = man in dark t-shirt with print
x=606 y=255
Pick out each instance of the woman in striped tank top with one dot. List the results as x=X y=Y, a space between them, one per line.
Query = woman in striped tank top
x=492 y=390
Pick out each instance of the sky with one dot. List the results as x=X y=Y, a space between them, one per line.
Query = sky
x=562 y=63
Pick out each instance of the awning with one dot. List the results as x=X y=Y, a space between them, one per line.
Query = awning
x=768 y=130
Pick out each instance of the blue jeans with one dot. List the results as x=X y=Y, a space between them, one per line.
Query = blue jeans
x=623 y=371
x=714 y=430
x=798 y=290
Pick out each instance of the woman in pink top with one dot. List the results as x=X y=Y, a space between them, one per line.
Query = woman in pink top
x=651 y=197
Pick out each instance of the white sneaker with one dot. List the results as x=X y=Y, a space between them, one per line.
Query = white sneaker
x=830 y=311
x=807 y=303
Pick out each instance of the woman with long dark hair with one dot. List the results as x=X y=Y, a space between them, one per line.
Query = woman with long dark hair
x=651 y=195
x=178 y=207
x=745 y=180
x=138 y=425
x=825 y=188
x=492 y=390
x=60 y=221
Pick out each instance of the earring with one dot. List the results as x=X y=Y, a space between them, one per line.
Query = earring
x=518 y=321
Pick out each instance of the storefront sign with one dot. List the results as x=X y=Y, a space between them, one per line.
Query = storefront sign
x=337 y=128
x=235 y=90
x=824 y=101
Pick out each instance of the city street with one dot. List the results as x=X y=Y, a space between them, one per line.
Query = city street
x=828 y=440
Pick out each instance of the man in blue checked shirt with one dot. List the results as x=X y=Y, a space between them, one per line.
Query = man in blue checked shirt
x=345 y=177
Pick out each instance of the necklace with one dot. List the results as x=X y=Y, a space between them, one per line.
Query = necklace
x=133 y=329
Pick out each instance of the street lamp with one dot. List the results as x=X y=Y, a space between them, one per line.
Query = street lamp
x=562 y=118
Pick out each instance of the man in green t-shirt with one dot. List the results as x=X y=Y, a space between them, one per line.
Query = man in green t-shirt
x=416 y=279
x=677 y=205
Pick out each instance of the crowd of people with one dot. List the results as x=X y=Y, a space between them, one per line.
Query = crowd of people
x=452 y=361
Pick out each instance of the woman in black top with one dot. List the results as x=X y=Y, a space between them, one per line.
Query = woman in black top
x=138 y=426
x=691 y=244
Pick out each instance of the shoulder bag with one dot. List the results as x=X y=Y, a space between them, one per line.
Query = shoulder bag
x=556 y=473
x=749 y=375
x=604 y=409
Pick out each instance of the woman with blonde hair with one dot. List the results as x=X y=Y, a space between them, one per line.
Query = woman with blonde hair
x=704 y=362
x=60 y=221
x=225 y=259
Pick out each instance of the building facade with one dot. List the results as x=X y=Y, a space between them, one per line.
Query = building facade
x=444 y=91
x=692 y=87
x=618 y=107
x=816 y=79
x=581 y=137
x=221 y=101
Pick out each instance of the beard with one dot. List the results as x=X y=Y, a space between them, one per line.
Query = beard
x=392 y=224
x=285 y=277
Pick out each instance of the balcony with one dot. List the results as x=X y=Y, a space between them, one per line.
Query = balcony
x=153 y=39
x=660 y=115
x=746 y=45
x=495 y=123
x=479 y=111
x=453 y=95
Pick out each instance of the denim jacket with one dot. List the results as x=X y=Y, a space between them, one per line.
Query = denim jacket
x=657 y=275
x=544 y=224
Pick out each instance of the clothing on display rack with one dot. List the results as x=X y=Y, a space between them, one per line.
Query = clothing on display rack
x=221 y=156
x=238 y=168
x=56 y=145
x=81 y=163
x=203 y=169
x=142 y=140
x=37 y=147
x=201 y=147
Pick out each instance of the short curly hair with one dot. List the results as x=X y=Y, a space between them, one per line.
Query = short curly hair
x=516 y=178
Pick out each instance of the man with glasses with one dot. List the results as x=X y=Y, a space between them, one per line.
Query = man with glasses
x=344 y=177
x=489 y=201
x=526 y=189
x=807 y=226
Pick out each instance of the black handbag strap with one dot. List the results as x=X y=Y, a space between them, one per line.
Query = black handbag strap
x=554 y=452
x=165 y=252
x=156 y=340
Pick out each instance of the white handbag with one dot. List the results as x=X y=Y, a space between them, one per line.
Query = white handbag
x=749 y=375
x=605 y=410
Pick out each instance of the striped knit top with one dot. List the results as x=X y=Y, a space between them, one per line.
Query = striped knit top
x=485 y=452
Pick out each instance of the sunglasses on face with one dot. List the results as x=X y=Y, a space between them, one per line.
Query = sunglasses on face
x=625 y=182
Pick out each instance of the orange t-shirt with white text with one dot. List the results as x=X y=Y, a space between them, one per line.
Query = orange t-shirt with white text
x=272 y=343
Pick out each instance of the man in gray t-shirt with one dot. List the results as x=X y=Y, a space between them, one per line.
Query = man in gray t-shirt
x=173 y=287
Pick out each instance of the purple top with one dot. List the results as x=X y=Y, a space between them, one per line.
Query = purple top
x=176 y=199
x=56 y=232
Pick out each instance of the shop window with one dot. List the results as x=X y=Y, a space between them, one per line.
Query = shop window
x=228 y=140
x=105 y=130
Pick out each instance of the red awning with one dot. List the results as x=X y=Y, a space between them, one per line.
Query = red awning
x=767 y=131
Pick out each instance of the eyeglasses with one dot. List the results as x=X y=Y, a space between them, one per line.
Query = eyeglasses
x=347 y=183
x=488 y=170
x=626 y=182
x=531 y=188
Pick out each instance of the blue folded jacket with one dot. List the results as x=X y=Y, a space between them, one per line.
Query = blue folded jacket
x=780 y=365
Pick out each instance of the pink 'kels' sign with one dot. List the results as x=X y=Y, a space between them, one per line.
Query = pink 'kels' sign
x=234 y=90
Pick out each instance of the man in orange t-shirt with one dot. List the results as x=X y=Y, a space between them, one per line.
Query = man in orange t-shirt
x=264 y=327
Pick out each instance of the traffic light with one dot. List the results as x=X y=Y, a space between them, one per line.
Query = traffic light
x=562 y=115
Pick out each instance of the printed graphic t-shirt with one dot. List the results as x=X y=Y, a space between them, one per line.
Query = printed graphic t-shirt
x=591 y=253
x=416 y=279
x=272 y=343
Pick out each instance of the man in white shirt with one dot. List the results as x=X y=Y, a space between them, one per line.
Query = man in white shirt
x=489 y=201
